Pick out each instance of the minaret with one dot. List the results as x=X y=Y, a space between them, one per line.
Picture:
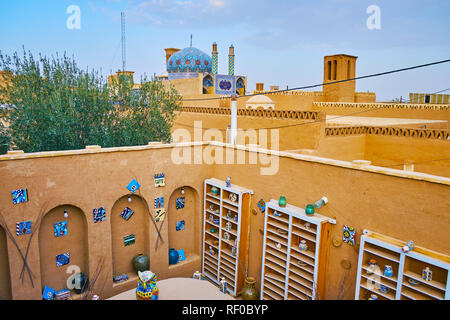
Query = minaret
x=215 y=58
x=231 y=61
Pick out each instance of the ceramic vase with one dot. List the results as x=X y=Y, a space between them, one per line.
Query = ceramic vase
x=141 y=262
x=173 y=256
x=282 y=202
x=427 y=274
x=249 y=292
x=147 y=289
x=309 y=210
x=214 y=191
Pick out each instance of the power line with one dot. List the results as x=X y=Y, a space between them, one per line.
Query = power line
x=329 y=83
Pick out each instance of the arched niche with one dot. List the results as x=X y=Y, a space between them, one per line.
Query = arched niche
x=188 y=239
x=5 y=279
x=75 y=243
x=137 y=225
x=240 y=86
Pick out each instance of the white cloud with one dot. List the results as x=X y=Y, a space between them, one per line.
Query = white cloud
x=217 y=3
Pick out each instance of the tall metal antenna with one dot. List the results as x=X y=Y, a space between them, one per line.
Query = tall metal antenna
x=122 y=18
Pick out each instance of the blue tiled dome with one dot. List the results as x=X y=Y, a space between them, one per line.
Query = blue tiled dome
x=189 y=60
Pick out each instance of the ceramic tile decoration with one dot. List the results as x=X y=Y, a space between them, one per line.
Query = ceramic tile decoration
x=120 y=278
x=60 y=229
x=133 y=186
x=349 y=235
x=180 y=203
x=181 y=255
x=160 y=214
x=63 y=294
x=23 y=228
x=127 y=213
x=180 y=225
x=159 y=202
x=19 y=196
x=129 y=240
x=189 y=60
x=62 y=259
x=225 y=84
x=99 y=214
x=48 y=293
x=261 y=205
x=160 y=180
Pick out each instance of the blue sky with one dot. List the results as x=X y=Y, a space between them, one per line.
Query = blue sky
x=276 y=42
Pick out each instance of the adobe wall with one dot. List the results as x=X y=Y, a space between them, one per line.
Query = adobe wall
x=302 y=136
x=81 y=181
x=385 y=201
x=346 y=148
x=402 y=208
x=187 y=86
x=393 y=152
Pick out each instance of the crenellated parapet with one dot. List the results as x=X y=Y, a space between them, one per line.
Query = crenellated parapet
x=439 y=134
x=274 y=114
x=378 y=105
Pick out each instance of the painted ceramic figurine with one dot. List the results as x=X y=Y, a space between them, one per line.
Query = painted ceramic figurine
x=302 y=245
x=233 y=197
x=228 y=182
x=223 y=285
x=147 y=289
x=226 y=236
x=372 y=265
x=373 y=297
x=211 y=251
x=408 y=247
x=229 y=214
x=388 y=272
x=197 y=275
x=228 y=226
x=383 y=289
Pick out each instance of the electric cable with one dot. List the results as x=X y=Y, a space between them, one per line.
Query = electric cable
x=328 y=83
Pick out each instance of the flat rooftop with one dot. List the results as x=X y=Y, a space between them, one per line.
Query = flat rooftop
x=372 y=121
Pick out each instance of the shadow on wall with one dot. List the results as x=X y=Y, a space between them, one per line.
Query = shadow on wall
x=129 y=220
x=61 y=238
x=184 y=220
x=5 y=280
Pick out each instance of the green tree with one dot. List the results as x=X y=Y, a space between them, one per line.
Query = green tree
x=55 y=105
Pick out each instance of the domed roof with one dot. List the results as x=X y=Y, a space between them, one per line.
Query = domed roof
x=189 y=60
x=259 y=99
